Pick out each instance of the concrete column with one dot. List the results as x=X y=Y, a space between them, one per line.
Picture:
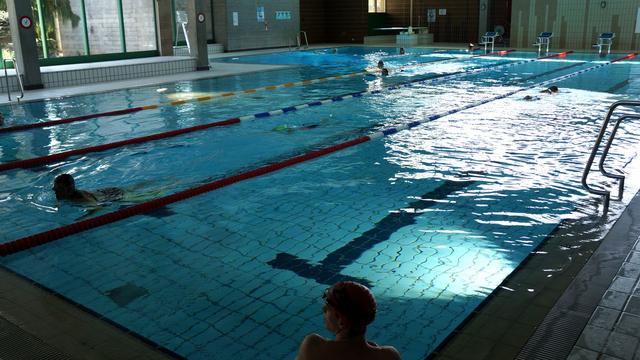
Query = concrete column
x=164 y=27
x=197 y=32
x=221 y=22
x=24 y=42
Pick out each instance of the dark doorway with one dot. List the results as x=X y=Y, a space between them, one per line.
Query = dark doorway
x=500 y=18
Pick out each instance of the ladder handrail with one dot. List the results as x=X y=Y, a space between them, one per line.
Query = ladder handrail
x=18 y=77
x=605 y=152
x=299 y=39
x=596 y=146
x=15 y=66
x=6 y=77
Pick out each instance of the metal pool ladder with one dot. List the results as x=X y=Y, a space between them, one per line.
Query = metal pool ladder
x=18 y=76
x=299 y=37
x=605 y=193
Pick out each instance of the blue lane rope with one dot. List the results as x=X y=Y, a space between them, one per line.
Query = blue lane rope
x=392 y=87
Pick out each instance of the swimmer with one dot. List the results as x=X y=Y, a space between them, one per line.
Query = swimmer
x=472 y=47
x=380 y=64
x=290 y=129
x=401 y=51
x=334 y=50
x=550 y=90
x=64 y=187
x=348 y=309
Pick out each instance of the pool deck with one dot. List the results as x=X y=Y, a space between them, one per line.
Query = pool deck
x=591 y=310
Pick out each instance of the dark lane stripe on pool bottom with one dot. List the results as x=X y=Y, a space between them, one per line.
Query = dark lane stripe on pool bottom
x=328 y=270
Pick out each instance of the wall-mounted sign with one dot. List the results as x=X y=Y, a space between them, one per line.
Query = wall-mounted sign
x=260 y=13
x=26 y=22
x=431 y=15
x=235 y=18
x=283 y=15
x=200 y=17
x=442 y=12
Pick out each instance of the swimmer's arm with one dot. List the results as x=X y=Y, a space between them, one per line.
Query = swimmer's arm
x=309 y=347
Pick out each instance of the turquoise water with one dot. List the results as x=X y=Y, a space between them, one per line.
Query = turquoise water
x=433 y=218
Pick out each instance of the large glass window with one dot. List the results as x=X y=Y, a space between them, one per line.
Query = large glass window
x=59 y=28
x=5 y=33
x=103 y=22
x=377 y=6
x=139 y=25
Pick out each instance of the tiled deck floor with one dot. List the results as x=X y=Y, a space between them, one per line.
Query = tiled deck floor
x=613 y=332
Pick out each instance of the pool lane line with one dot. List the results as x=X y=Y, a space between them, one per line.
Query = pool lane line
x=328 y=270
x=44 y=237
x=211 y=97
x=27 y=163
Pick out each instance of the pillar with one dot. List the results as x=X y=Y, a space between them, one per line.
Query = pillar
x=23 y=35
x=164 y=27
x=197 y=32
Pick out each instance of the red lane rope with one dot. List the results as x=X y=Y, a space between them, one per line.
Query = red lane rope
x=70 y=120
x=26 y=163
x=66 y=230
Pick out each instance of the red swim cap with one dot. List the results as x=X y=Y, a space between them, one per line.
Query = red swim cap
x=355 y=301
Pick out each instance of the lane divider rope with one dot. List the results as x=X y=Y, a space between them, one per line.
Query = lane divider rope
x=77 y=227
x=27 y=163
x=211 y=97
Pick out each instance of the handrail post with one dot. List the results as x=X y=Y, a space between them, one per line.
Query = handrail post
x=6 y=77
x=605 y=152
x=19 y=78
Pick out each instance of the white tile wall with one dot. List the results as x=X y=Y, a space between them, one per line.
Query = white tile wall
x=104 y=74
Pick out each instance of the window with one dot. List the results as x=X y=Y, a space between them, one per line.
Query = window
x=377 y=6
x=5 y=34
x=59 y=31
x=139 y=25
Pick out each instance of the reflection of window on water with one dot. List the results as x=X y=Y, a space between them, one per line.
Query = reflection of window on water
x=377 y=6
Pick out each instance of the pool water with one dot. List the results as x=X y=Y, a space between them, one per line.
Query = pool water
x=432 y=219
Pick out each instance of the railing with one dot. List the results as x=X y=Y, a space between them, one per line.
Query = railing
x=620 y=178
x=299 y=39
x=18 y=77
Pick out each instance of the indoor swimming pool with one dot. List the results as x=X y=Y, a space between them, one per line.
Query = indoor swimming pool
x=433 y=218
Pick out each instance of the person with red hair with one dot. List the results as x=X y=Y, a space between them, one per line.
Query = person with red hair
x=349 y=308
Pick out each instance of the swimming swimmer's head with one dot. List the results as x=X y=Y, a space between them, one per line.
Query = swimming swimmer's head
x=553 y=89
x=64 y=186
x=380 y=64
x=354 y=302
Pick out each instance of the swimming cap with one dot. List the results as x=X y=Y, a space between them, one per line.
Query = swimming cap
x=355 y=301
